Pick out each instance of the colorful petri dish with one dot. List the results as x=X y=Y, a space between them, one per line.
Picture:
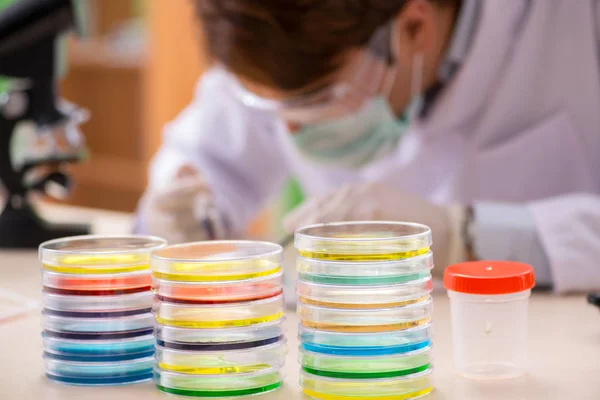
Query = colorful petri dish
x=211 y=316
x=98 y=350
x=218 y=386
x=217 y=261
x=361 y=320
x=127 y=282
x=364 y=297
x=270 y=357
x=220 y=339
x=365 y=344
x=111 y=325
x=98 y=304
x=219 y=292
x=401 y=388
x=369 y=273
x=99 y=374
x=375 y=367
x=363 y=241
x=99 y=255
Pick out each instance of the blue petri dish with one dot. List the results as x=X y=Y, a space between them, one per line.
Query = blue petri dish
x=99 y=359
x=93 y=373
x=109 y=381
x=365 y=344
x=97 y=348
x=366 y=351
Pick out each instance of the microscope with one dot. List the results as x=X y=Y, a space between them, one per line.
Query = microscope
x=39 y=133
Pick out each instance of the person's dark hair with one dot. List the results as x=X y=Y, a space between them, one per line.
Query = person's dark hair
x=289 y=44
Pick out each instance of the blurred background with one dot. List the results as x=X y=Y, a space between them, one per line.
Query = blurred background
x=135 y=70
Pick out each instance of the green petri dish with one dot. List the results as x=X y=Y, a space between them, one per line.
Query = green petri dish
x=401 y=388
x=217 y=386
x=348 y=367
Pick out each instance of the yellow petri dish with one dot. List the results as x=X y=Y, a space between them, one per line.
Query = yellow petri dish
x=217 y=261
x=360 y=320
x=99 y=255
x=249 y=360
x=214 y=316
x=366 y=241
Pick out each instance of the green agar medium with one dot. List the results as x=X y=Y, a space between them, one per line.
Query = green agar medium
x=366 y=375
x=221 y=393
x=360 y=280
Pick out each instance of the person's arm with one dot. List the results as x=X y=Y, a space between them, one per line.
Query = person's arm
x=235 y=152
x=559 y=237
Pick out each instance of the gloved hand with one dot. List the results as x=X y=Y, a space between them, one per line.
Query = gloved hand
x=182 y=211
x=376 y=202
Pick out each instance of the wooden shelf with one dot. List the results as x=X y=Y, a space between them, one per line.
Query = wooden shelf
x=97 y=53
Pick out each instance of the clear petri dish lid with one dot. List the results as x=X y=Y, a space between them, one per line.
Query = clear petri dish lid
x=217 y=261
x=100 y=282
x=99 y=254
x=365 y=297
x=215 y=339
x=226 y=291
x=365 y=367
x=365 y=344
x=215 y=316
x=220 y=385
x=100 y=325
x=378 y=269
x=230 y=362
x=365 y=321
x=406 y=387
x=97 y=304
x=94 y=369
x=363 y=241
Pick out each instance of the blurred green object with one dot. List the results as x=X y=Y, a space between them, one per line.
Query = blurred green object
x=5 y=81
x=80 y=10
x=290 y=198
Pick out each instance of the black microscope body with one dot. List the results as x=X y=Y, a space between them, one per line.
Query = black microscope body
x=29 y=37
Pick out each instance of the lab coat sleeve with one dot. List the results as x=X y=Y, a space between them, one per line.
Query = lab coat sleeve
x=235 y=149
x=569 y=229
x=507 y=231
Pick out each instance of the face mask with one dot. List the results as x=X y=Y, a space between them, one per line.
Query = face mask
x=373 y=132
x=370 y=134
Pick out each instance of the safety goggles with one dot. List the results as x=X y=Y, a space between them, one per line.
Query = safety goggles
x=373 y=75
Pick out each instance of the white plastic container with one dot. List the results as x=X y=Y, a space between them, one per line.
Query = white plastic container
x=489 y=309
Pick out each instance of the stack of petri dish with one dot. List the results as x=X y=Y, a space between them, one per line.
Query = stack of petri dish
x=97 y=318
x=365 y=310
x=219 y=318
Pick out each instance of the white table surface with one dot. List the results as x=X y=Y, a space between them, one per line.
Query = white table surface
x=564 y=350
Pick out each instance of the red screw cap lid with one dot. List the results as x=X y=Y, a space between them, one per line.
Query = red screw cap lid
x=489 y=277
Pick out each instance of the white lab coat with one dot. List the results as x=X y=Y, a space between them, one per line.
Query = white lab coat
x=520 y=122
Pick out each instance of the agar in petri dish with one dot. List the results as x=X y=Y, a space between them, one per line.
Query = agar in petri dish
x=365 y=344
x=98 y=255
x=215 y=316
x=365 y=321
x=364 y=241
x=219 y=292
x=217 y=261
x=216 y=386
x=270 y=357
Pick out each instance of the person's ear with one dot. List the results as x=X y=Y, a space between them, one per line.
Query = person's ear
x=415 y=26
